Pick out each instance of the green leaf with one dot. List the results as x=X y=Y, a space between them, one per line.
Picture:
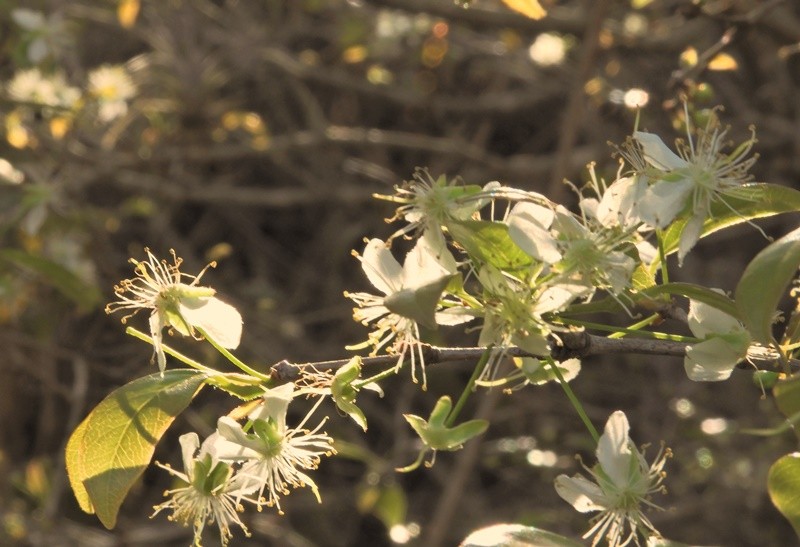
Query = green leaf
x=436 y=435
x=243 y=386
x=698 y=293
x=745 y=203
x=111 y=448
x=387 y=502
x=783 y=484
x=75 y=468
x=516 y=535
x=787 y=398
x=85 y=295
x=344 y=394
x=764 y=282
x=489 y=242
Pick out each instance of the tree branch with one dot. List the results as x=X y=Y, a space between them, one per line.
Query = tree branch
x=565 y=346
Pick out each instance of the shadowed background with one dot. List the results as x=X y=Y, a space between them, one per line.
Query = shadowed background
x=256 y=137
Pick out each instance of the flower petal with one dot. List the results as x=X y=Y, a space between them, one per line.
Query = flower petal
x=614 y=449
x=156 y=324
x=275 y=405
x=381 y=268
x=425 y=265
x=711 y=361
x=190 y=442
x=582 y=494
x=657 y=153
x=689 y=236
x=620 y=201
x=662 y=201
x=528 y=226
x=219 y=320
x=705 y=320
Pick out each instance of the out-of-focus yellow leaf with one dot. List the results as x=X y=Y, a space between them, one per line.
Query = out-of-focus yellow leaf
x=528 y=8
x=127 y=12
x=16 y=133
x=689 y=57
x=59 y=127
x=354 y=54
x=723 y=61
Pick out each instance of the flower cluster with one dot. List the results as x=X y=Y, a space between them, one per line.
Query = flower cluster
x=255 y=464
x=517 y=261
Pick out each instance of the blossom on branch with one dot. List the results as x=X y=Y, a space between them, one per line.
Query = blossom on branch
x=212 y=491
x=159 y=287
x=272 y=455
x=726 y=343
x=411 y=296
x=623 y=483
x=687 y=183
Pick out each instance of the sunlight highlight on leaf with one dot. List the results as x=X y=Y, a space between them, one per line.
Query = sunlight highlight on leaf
x=528 y=8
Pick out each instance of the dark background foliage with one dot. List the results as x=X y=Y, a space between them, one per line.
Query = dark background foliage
x=257 y=136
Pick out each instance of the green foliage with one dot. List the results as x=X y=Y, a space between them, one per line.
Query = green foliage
x=437 y=435
x=239 y=385
x=344 y=394
x=787 y=397
x=114 y=444
x=85 y=295
x=743 y=204
x=489 y=242
x=783 y=483
x=764 y=282
x=695 y=292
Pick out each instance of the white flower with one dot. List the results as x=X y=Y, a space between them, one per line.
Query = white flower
x=529 y=227
x=623 y=482
x=583 y=255
x=426 y=203
x=726 y=343
x=690 y=181
x=112 y=87
x=158 y=286
x=211 y=494
x=31 y=86
x=44 y=35
x=274 y=454
x=411 y=296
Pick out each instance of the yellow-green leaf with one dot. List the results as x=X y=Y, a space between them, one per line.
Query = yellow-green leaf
x=111 y=448
x=528 y=8
x=783 y=484
x=764 y=282
x=745 y=203
x=489 y=242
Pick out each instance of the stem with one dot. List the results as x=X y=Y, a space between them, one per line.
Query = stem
x=470 y=387
x=179 y=356
x=632 y=331
x=636 y=326
x=573 y=399
x=662 y=256
x=375 y=378
x=233 y=359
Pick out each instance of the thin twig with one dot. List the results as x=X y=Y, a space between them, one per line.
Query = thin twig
x=573 y=115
